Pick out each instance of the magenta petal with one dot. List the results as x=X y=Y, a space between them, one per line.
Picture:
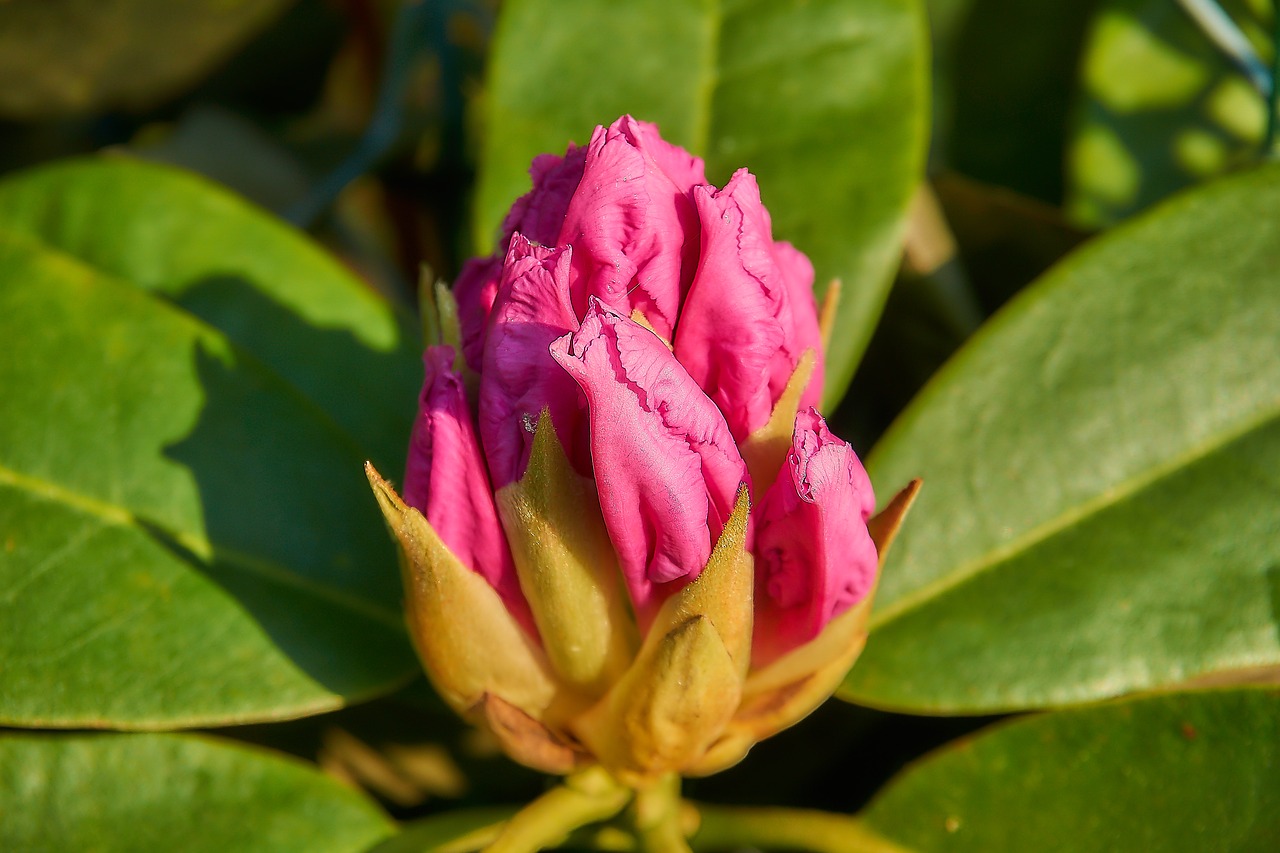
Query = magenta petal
x=814 y=556
x=797 y=272
x=743 y=329
x=632 y=227
x=539 y=214
x=474 y=291
x=445 y=480
x=666 y=467
x=520 y=378
x=684 y=170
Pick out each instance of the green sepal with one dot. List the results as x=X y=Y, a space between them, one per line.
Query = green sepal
x=470 y=645
x=567 y=567
x=672 y=704
x=723 y=592
x=686 y=683
x=766 y=449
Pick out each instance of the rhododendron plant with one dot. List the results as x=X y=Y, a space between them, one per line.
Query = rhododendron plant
x=1033 y=262
x=630 y=540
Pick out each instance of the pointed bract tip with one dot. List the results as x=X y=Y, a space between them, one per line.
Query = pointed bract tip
x=884 y=526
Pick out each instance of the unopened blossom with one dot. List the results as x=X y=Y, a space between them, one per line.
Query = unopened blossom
x=636 y=542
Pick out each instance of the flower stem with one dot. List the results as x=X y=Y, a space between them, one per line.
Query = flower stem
x=656 y=814
x=725 y=829
x=585 y=798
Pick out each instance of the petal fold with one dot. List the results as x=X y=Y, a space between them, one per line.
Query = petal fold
x=665 y=464
x=520 y=379
x=445 y=480
x=750 y=312
x=633 y=225
x=814 y=556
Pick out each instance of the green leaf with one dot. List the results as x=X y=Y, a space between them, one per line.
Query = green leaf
x=451 y=832
x=71 y=57
x=1100 y=469
x=111 y=792
x=823 y=100
x=190 y=391
x=1160 y=107
x=1170 y=773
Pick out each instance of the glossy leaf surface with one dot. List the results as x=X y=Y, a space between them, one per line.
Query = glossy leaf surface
x=1100 y=468
x=172 y=792
x=824 y=101
x=187 y=536
x=1178 y=772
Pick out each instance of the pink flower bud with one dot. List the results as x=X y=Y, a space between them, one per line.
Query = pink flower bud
x=666 y=467
x=650 y=327
x=814 y=556
x=445 y=480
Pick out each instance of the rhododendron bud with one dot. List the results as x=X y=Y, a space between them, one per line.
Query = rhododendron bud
x=636 y=544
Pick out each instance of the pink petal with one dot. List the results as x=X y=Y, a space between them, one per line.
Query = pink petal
x=539 y=214
x=632 y=226
x=685 y=170
x=797 y=272
x=520 y=378
x=750 y=313
x=666 y=466
x=445 y=480
x=474 y=291
x=814 y=556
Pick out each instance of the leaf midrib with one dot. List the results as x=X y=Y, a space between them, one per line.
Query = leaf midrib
x=1077 y=514
x=711 y=78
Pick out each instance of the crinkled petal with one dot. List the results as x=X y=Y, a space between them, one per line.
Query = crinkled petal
x=742 y=330
x=666 y=467
x=539 y=214
x=814 y=556
x=520 y=378
x=685 y=170
x=445 y=480
x=632 y=226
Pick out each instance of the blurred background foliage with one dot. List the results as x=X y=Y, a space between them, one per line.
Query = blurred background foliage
x=361 y=121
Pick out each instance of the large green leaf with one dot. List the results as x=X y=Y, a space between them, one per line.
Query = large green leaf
x=1160 y=107
x=1100 y=466
x=823 y=100
x=68 y=56
x=190 y=389
x=1171 y=773
x=111 y=792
